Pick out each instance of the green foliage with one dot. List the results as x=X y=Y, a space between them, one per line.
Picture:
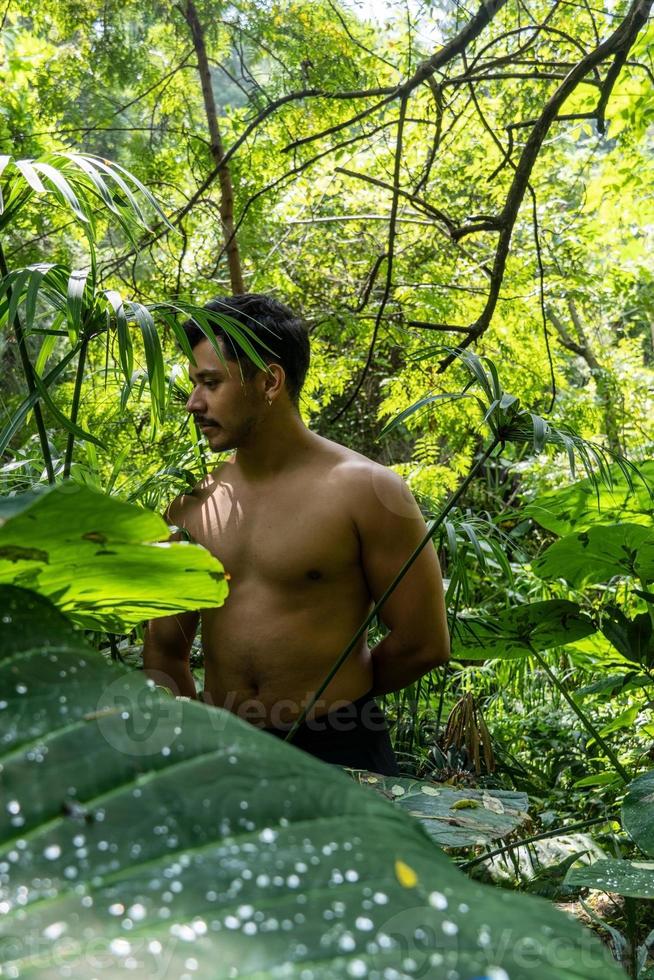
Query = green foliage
x=602 y=552
x=78 y=184
x=105 y=563
x=519 y=631
x=582 y=504
x=451 y=817
x=71 y=298
x=29 y=620
x=599 y=554
x=162 y=823
x=631 y=637
x=632 y=878
x=116 y=82
x=635 y=879
x=97 y=297
x=638 y=813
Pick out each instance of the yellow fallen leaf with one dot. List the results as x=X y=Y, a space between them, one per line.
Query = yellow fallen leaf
x=465 y=805
x=405 y=875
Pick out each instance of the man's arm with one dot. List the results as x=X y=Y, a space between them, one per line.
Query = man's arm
x=390 y=527
x=168 y=640
x=167 y=649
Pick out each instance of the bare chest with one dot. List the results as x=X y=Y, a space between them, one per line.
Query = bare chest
x=294 y=536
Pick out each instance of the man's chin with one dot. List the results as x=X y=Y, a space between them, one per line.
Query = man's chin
x=218 y=441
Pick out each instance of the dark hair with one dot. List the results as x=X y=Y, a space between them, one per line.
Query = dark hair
x=272 y=323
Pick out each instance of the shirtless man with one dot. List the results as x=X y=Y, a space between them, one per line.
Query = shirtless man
x=311 y=534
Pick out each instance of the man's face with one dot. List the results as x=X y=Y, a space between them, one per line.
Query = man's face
x=226 y=408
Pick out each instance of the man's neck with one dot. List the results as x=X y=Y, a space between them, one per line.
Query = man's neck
x=277 y=443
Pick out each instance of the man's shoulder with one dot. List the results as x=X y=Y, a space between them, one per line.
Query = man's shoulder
x=371 y=485
x=347 y=463
x=185 y=504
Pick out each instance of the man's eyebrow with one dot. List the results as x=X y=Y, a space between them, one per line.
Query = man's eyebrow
x=206 y=374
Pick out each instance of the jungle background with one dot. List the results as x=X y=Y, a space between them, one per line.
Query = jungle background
x=452 y=197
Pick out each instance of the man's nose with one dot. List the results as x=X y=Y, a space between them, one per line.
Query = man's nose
x=195 y=402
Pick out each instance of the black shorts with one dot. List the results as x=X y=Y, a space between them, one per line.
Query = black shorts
x=355 y=735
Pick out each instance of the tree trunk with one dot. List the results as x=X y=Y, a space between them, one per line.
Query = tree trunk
x=190 y=14
x=605 y=385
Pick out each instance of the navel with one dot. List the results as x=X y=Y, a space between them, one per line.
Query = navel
x=314 y=574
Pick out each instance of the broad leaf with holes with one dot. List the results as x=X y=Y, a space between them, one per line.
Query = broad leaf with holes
x=581 y=505
x=105 y=563
x=635 y=879
x=638 y=812
x=516 y=631
x=633 y=638
x=157 y=832
x=452 y=817
x=599 y=554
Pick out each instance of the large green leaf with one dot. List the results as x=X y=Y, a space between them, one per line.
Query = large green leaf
x=157 y=835
x=102 y=561
x=515 y=632
x=452 y=817
x=635 y=879
x=599 y=554
x=582 y=504
x=631 y=637
x=638 y=812
x=28 y=621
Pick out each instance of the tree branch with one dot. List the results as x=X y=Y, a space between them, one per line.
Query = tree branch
x=539 y=76
x=369 y=283
x=419 y=202
x=390 y=253
x=437 y=92
x=619 y=41
x=5 y=15
x=564 y=117
x=190 y=14
x=356 y=42
x=445 y=327
x=211 y=177
x=449 y=51
x=452 y=49
x=603 y=380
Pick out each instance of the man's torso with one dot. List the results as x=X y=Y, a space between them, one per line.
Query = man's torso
x=297 y=589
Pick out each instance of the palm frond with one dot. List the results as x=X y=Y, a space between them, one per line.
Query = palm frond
x=509 y=423
x=80 y=184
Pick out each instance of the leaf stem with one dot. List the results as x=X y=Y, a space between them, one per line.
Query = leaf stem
x=74 y=410
x=586 y=722
x=532 y=840
x=396 y=581
x=28 y=372
x=631 y=930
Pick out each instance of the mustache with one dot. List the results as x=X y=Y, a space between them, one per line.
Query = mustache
x=200 y=420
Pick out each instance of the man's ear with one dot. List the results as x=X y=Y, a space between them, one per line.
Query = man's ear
x=273 y=381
